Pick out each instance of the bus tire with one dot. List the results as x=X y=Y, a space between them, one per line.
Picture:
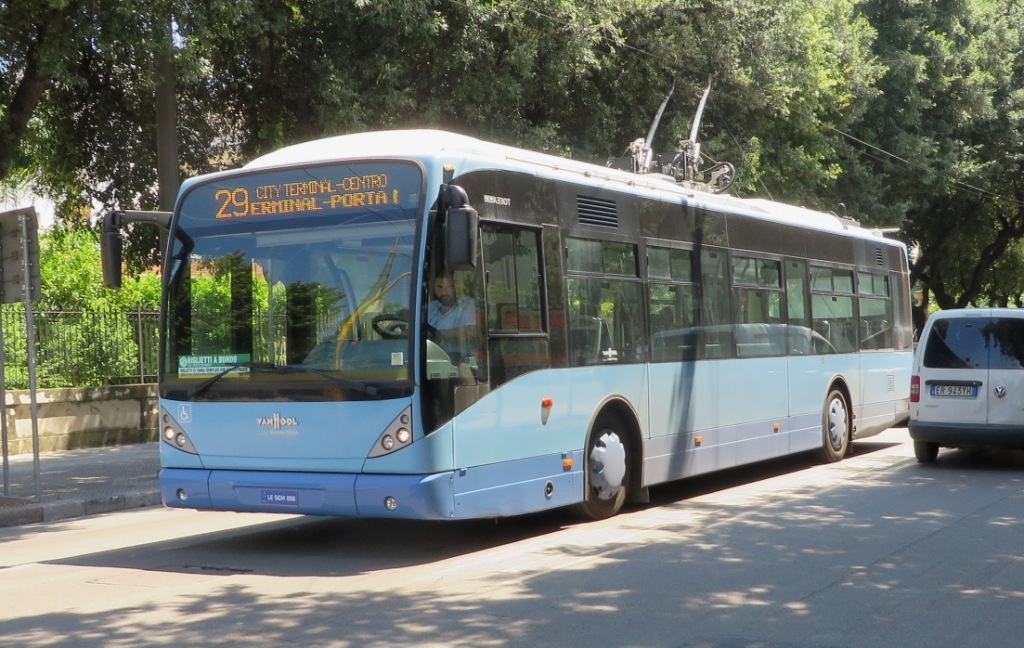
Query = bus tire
x=835 y=426
x=606 y=470
x=926 y=451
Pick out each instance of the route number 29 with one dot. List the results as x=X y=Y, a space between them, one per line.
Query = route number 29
x=234 y=203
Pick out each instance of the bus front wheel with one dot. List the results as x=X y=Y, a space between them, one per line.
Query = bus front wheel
x=606 y=471
x=835 y=427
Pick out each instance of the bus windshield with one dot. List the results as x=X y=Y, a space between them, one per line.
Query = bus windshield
x=294 y=284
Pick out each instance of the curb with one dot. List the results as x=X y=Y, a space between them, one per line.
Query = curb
x=32 y=513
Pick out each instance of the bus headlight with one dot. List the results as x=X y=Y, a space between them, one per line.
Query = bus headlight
x=173 y=435
x=397 y=436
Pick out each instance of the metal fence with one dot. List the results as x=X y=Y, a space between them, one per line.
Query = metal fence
x=81 y=348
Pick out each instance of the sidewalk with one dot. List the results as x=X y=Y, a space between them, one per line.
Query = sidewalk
x=74 y=483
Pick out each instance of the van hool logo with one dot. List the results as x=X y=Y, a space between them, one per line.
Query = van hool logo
x=497 y=200
x=276 y=421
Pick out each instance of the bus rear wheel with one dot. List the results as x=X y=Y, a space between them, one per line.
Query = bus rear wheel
x=606 y=471
x=835 y=427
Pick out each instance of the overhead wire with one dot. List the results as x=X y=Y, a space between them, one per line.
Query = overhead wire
x=985 y=193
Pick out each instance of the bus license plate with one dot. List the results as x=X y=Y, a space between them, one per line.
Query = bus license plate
x=279 y=497
x=954 y=391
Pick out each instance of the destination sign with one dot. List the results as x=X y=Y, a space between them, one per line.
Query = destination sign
x=265 y=197
x=345 y=192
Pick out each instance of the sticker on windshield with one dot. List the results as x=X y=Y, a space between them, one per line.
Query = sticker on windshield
x=208 y=365
x=397 y=359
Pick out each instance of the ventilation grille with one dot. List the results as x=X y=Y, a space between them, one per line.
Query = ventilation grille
x=594 y=211
x=879 y=257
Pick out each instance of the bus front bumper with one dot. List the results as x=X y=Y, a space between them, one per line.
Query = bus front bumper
x=421 y=497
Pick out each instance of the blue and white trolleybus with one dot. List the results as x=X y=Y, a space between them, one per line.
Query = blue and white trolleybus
x=418 y=324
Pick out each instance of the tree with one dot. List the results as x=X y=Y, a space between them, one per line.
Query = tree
x=784 y=76
x=289 y=71
x=950 y=112
x=71 y=277
x=70 y=92
x=580 y=77
x=897 y=108
x=77 y=111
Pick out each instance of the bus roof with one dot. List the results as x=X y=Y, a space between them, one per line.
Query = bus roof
x=468 y=153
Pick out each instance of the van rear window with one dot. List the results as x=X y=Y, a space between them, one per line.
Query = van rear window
x=976 y=343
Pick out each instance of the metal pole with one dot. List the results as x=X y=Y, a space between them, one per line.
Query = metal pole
x=30 y=325
x=141 y=342
x=3 y=410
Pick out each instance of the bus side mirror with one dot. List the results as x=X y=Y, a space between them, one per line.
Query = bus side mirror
x=111 y=247
x=111 y=250
x=462 y=226
x=462 y=237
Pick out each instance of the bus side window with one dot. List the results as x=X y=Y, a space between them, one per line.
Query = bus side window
x=590 y=342
x=716 y=337
x=605 y=322
x=672 y=304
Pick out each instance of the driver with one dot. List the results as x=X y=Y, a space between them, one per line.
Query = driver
x=454 y=319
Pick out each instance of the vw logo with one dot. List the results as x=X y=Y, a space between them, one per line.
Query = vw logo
x=999 y=391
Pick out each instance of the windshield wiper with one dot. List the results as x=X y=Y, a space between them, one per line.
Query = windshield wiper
x=358 y=385
x=203 y=386
x=270 y=367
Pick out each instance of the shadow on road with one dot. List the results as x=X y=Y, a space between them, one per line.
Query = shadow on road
x=759 y=566
x=312 y=546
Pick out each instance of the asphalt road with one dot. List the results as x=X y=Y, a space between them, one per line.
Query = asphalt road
x=873 y=551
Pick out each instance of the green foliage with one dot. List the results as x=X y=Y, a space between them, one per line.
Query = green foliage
x=286 y=72
x=83 y=334
x=784 y=75
x=72 y=278
x=69 y=269
x=897 y=108
x=73 y=348
x=950 y=109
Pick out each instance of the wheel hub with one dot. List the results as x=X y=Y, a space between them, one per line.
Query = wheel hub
x=836 y=424
x=607 y=465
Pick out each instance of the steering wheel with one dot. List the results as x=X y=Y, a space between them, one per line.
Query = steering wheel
x=390 y=325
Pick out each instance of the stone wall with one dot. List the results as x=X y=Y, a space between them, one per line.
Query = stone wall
x=82 y=418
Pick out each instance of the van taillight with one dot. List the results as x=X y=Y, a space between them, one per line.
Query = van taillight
x=915 y=389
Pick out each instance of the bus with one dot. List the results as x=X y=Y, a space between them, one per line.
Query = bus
x=617 y=331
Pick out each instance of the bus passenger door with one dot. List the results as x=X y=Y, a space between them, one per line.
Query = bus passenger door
x=805 y=347
x=516 y=322
x=507 y=424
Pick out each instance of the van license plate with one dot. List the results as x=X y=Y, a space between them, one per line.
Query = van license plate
x=954 y=391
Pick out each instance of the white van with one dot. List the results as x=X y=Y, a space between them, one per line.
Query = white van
x=967 y=388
